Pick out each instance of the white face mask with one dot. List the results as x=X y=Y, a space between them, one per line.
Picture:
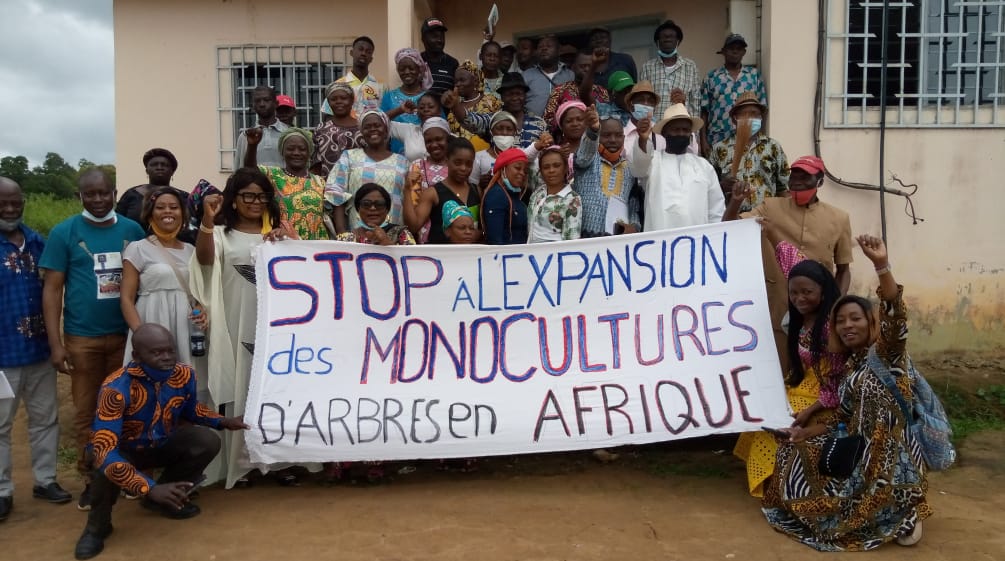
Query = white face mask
x=105 y=218
x=504 y=142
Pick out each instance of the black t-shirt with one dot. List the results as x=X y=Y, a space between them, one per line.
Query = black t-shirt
x=444 y=194
x=443 y=72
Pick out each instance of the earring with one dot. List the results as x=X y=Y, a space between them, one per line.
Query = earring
x=234 y=206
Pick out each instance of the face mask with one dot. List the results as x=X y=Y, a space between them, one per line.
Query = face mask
x=666 y=55
x=8 y=226
x=804 y=197
x=105 y=218
x=504 y=142
x=510 y=186
x=366 y=226
x=640 y=111
x=755 y=126
x=156 y=374
x=678 y=144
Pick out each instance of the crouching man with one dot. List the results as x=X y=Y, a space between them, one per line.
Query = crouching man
x=137 y=428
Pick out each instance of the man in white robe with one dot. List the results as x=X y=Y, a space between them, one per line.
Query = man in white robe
x=682 y=188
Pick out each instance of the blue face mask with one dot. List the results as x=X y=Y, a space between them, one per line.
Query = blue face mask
x=366 y=226
x=755 y=125
x=156 y=374
x=666 y=55
x=640 y=111
x=510 y=186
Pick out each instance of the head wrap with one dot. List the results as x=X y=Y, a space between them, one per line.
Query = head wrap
x=502 y=116
x=297 y=131
x=339 y=86
x=436 y=123
x=381 y=114
x=479 y=76
x=452 y=210
x=202 y=190
x=163 y=152
x=425 y=76
x=507 y=157
x=572 y=103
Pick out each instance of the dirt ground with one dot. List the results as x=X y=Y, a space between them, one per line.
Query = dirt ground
x=669 y=502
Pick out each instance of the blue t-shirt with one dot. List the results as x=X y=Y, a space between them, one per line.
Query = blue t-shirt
x=91 y=258
x=504 y=217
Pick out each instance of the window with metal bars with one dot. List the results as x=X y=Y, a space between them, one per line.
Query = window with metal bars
x=299 y=71
x=945 y=62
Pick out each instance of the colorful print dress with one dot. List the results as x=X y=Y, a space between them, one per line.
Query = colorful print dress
x=303 y=202
x=884 y=498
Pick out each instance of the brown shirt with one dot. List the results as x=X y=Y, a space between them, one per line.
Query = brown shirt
x=821 y=231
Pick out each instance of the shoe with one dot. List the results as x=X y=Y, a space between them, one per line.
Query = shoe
x=6 y=504
x=189 y=510
x=52 y=493
x=84 y=502
x=91 y=543
x=129 y=496
x=912 y=538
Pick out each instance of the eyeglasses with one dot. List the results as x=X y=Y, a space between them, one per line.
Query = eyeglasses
x=249 y=198
x=373 y=205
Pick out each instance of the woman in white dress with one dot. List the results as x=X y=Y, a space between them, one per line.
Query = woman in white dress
x=223 y=278
x=155 y=275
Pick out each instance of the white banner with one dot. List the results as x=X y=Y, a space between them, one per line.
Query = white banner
x=380 y=353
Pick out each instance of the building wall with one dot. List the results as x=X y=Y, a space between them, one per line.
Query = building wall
x=165 y=69
x=951 y=264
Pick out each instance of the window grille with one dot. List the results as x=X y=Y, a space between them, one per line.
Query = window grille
x=299 y=71
x=945 y=63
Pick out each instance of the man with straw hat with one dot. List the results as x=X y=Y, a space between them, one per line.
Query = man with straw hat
x=759 y=160
x=683 y=189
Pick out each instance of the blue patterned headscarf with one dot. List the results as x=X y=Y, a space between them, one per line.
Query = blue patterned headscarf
x=452 y=210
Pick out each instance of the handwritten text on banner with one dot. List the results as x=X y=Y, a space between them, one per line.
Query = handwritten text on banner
x=379 y=353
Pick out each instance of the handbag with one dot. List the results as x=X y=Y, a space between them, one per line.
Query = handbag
x=926 y=420
x=840 y=455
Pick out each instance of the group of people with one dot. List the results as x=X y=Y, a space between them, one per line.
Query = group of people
x=150 y=304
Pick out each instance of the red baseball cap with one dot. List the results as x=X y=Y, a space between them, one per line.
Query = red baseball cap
x=285 y=101
x=810 y=164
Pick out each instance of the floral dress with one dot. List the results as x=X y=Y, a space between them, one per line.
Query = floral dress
x=555 y=217
x=430 y=173
x=396 y=232
x=884 y=498
x=302 y=202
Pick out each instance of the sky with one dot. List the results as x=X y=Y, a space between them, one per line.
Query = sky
x=57 y=80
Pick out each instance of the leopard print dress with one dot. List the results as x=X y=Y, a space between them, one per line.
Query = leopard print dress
x=884 y=498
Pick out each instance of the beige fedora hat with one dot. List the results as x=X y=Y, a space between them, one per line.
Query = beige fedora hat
x=678 y=111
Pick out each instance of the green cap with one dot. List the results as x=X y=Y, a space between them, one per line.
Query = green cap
x=619 y=81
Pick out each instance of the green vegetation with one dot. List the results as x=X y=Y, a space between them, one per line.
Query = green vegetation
x=42 y=211
x=55 y=176
x=973 y=410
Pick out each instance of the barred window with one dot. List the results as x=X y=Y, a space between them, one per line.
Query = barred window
x=299 y=71
x=945 y=62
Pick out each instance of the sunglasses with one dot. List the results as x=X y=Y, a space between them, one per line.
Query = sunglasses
x=373 y=205
x=249 y=198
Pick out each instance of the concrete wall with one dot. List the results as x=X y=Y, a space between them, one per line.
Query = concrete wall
x=952 y=264
x=165 y=68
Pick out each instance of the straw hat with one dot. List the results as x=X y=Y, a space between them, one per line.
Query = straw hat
x=645 y=86
x=747 y=98
x=678 y=111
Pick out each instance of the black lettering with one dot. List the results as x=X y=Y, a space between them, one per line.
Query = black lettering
x=542 y=417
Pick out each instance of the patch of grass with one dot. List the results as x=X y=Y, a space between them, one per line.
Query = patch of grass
x=66 y=456
x=42 y=211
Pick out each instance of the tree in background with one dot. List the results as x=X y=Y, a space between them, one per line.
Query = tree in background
x=50 y=189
